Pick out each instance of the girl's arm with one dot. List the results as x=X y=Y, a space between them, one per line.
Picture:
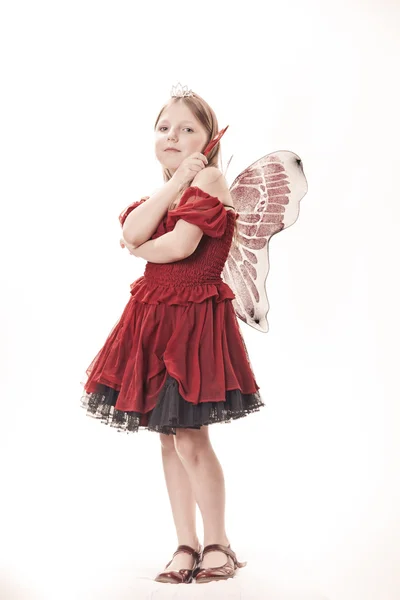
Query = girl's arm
x=164 y=249
x=142 y=222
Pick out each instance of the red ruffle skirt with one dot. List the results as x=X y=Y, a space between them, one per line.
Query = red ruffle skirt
x=165 y=366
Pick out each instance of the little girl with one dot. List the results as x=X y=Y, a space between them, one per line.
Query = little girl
x=176 y=362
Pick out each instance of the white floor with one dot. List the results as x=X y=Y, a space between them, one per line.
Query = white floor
x=56 y=578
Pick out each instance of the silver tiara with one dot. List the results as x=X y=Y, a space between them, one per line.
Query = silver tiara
x=177 y=91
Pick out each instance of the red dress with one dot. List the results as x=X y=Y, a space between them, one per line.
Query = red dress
x=176 y=357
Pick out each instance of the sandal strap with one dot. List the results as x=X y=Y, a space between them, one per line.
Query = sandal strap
x=226 y=549
x=188 y=550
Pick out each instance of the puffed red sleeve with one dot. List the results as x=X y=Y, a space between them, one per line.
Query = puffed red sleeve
x=201 y=209
x=130 y=208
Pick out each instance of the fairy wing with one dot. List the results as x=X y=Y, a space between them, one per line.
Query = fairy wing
x=267 y=197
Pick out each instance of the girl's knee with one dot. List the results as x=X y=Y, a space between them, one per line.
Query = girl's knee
x=189 y=442
x=167 y=441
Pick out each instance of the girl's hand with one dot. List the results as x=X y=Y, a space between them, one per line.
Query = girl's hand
x=188 y=169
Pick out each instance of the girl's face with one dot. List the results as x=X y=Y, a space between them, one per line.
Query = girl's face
x=178 y=128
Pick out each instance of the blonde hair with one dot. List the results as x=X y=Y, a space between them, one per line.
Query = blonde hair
x=207 y=117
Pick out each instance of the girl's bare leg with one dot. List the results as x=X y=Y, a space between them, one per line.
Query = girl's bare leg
x=207 y=480
x=183 y=502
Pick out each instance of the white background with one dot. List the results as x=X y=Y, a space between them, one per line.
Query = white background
x=312 y=480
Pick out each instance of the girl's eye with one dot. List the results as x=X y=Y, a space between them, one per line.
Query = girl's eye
x=185 y=128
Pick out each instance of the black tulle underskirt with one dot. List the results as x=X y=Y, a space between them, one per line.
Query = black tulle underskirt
x=172 y=411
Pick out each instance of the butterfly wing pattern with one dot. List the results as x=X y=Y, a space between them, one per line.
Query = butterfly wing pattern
x=267 y=197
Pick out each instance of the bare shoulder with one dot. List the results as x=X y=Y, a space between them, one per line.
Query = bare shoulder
x=209 y=174
x=212 y=181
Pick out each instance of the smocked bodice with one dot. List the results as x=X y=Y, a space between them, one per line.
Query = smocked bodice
x=198 y=276
x=204 y=265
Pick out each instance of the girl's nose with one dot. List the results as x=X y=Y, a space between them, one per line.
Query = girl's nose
x=171 y=134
